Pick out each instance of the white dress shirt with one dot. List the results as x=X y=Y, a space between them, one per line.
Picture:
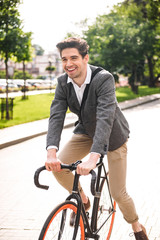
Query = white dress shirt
x=80 y=90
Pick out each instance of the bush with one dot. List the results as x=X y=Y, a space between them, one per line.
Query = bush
x=19 y=75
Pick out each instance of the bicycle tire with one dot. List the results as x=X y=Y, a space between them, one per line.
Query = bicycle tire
x=106 y=209
x=52 y=225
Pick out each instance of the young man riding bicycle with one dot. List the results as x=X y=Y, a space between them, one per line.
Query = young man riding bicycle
x=102 y=127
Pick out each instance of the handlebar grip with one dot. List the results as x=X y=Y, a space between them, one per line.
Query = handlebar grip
x=71 y=167
x=93 y=183
x=36 y=178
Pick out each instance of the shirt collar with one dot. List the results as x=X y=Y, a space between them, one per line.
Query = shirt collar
x=88 y=77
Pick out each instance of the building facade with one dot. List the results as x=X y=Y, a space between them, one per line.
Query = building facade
x=37 y=67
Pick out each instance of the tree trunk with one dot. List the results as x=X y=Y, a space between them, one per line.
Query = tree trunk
x=24 y=77
x=7 y=103
x=133 y=80
x=151 y=74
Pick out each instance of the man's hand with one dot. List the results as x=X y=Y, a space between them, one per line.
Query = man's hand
x=52 y=163
x=85 y=167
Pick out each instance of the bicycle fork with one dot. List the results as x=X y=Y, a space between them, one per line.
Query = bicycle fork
x=75 y=195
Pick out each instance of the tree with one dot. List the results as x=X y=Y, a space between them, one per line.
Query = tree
x=39 y=51
x=9 y=33
x=24 y=53
x=50 y=69
x=114 y=45
x=149 y=32
x=122 y=41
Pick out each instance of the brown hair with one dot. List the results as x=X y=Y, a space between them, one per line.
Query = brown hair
x=78 y=43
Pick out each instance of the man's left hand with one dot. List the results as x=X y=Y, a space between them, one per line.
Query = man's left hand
x=85 y=167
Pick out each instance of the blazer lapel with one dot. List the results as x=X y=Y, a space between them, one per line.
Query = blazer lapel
x=72 y=97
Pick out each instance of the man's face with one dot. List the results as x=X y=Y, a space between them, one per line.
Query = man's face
x=73 y=63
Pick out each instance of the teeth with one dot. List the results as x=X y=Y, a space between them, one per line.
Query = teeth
x=71 y=69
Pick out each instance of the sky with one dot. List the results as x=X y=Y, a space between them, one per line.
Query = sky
x=50 y=20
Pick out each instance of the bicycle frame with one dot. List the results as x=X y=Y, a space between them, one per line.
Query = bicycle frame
x=92 y=231
x=80 y=208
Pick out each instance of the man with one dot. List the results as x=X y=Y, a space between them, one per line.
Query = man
x=102 y=128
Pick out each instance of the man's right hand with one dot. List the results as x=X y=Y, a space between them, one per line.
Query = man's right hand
x=52 y=163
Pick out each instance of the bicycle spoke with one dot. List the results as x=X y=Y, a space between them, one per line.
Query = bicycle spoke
x=105 y=213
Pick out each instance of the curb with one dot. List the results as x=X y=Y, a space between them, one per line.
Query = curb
x=20 y=140
x=142 y=101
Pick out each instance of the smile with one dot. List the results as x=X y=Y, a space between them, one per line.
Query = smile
x=70 y=69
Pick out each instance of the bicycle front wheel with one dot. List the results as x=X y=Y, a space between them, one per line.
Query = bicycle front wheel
x=57 y=225
x=106 y=212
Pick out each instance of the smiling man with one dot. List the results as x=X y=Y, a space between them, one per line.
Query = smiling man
x=89 y=92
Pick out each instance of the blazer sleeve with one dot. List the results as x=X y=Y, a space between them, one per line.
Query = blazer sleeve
x=105 y=113
x=57 y=115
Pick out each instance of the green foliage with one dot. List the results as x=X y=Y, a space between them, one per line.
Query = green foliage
x=39 y=51
x=50 y=68
x=10 y=27
x=41 y=77
x=24 y=47
x=112 y=42
x=13 y=41
x=20 y=75
x=124 y=40
x=10 y=32
x=17 y=75
x=72 y=34
x=2 y=74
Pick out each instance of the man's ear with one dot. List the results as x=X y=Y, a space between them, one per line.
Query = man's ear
x=86 y=57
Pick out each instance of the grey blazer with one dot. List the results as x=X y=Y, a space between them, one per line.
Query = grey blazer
x=102 y=119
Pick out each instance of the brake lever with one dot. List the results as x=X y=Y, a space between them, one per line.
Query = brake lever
x=93 y=182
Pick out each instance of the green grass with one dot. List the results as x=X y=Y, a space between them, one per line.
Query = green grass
x=125 y=93
x=37 y=107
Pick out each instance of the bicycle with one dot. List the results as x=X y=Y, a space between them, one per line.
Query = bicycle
x=98 y=226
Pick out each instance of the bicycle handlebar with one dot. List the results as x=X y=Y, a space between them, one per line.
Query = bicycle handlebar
x=36 y=178
x=71 y=167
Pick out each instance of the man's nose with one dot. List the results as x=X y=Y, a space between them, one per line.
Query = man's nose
x=69 y=62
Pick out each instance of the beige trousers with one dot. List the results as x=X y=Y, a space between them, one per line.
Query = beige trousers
x=76 y=149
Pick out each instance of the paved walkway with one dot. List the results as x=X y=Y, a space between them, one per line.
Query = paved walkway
x=21 y=201
x=19 y=133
